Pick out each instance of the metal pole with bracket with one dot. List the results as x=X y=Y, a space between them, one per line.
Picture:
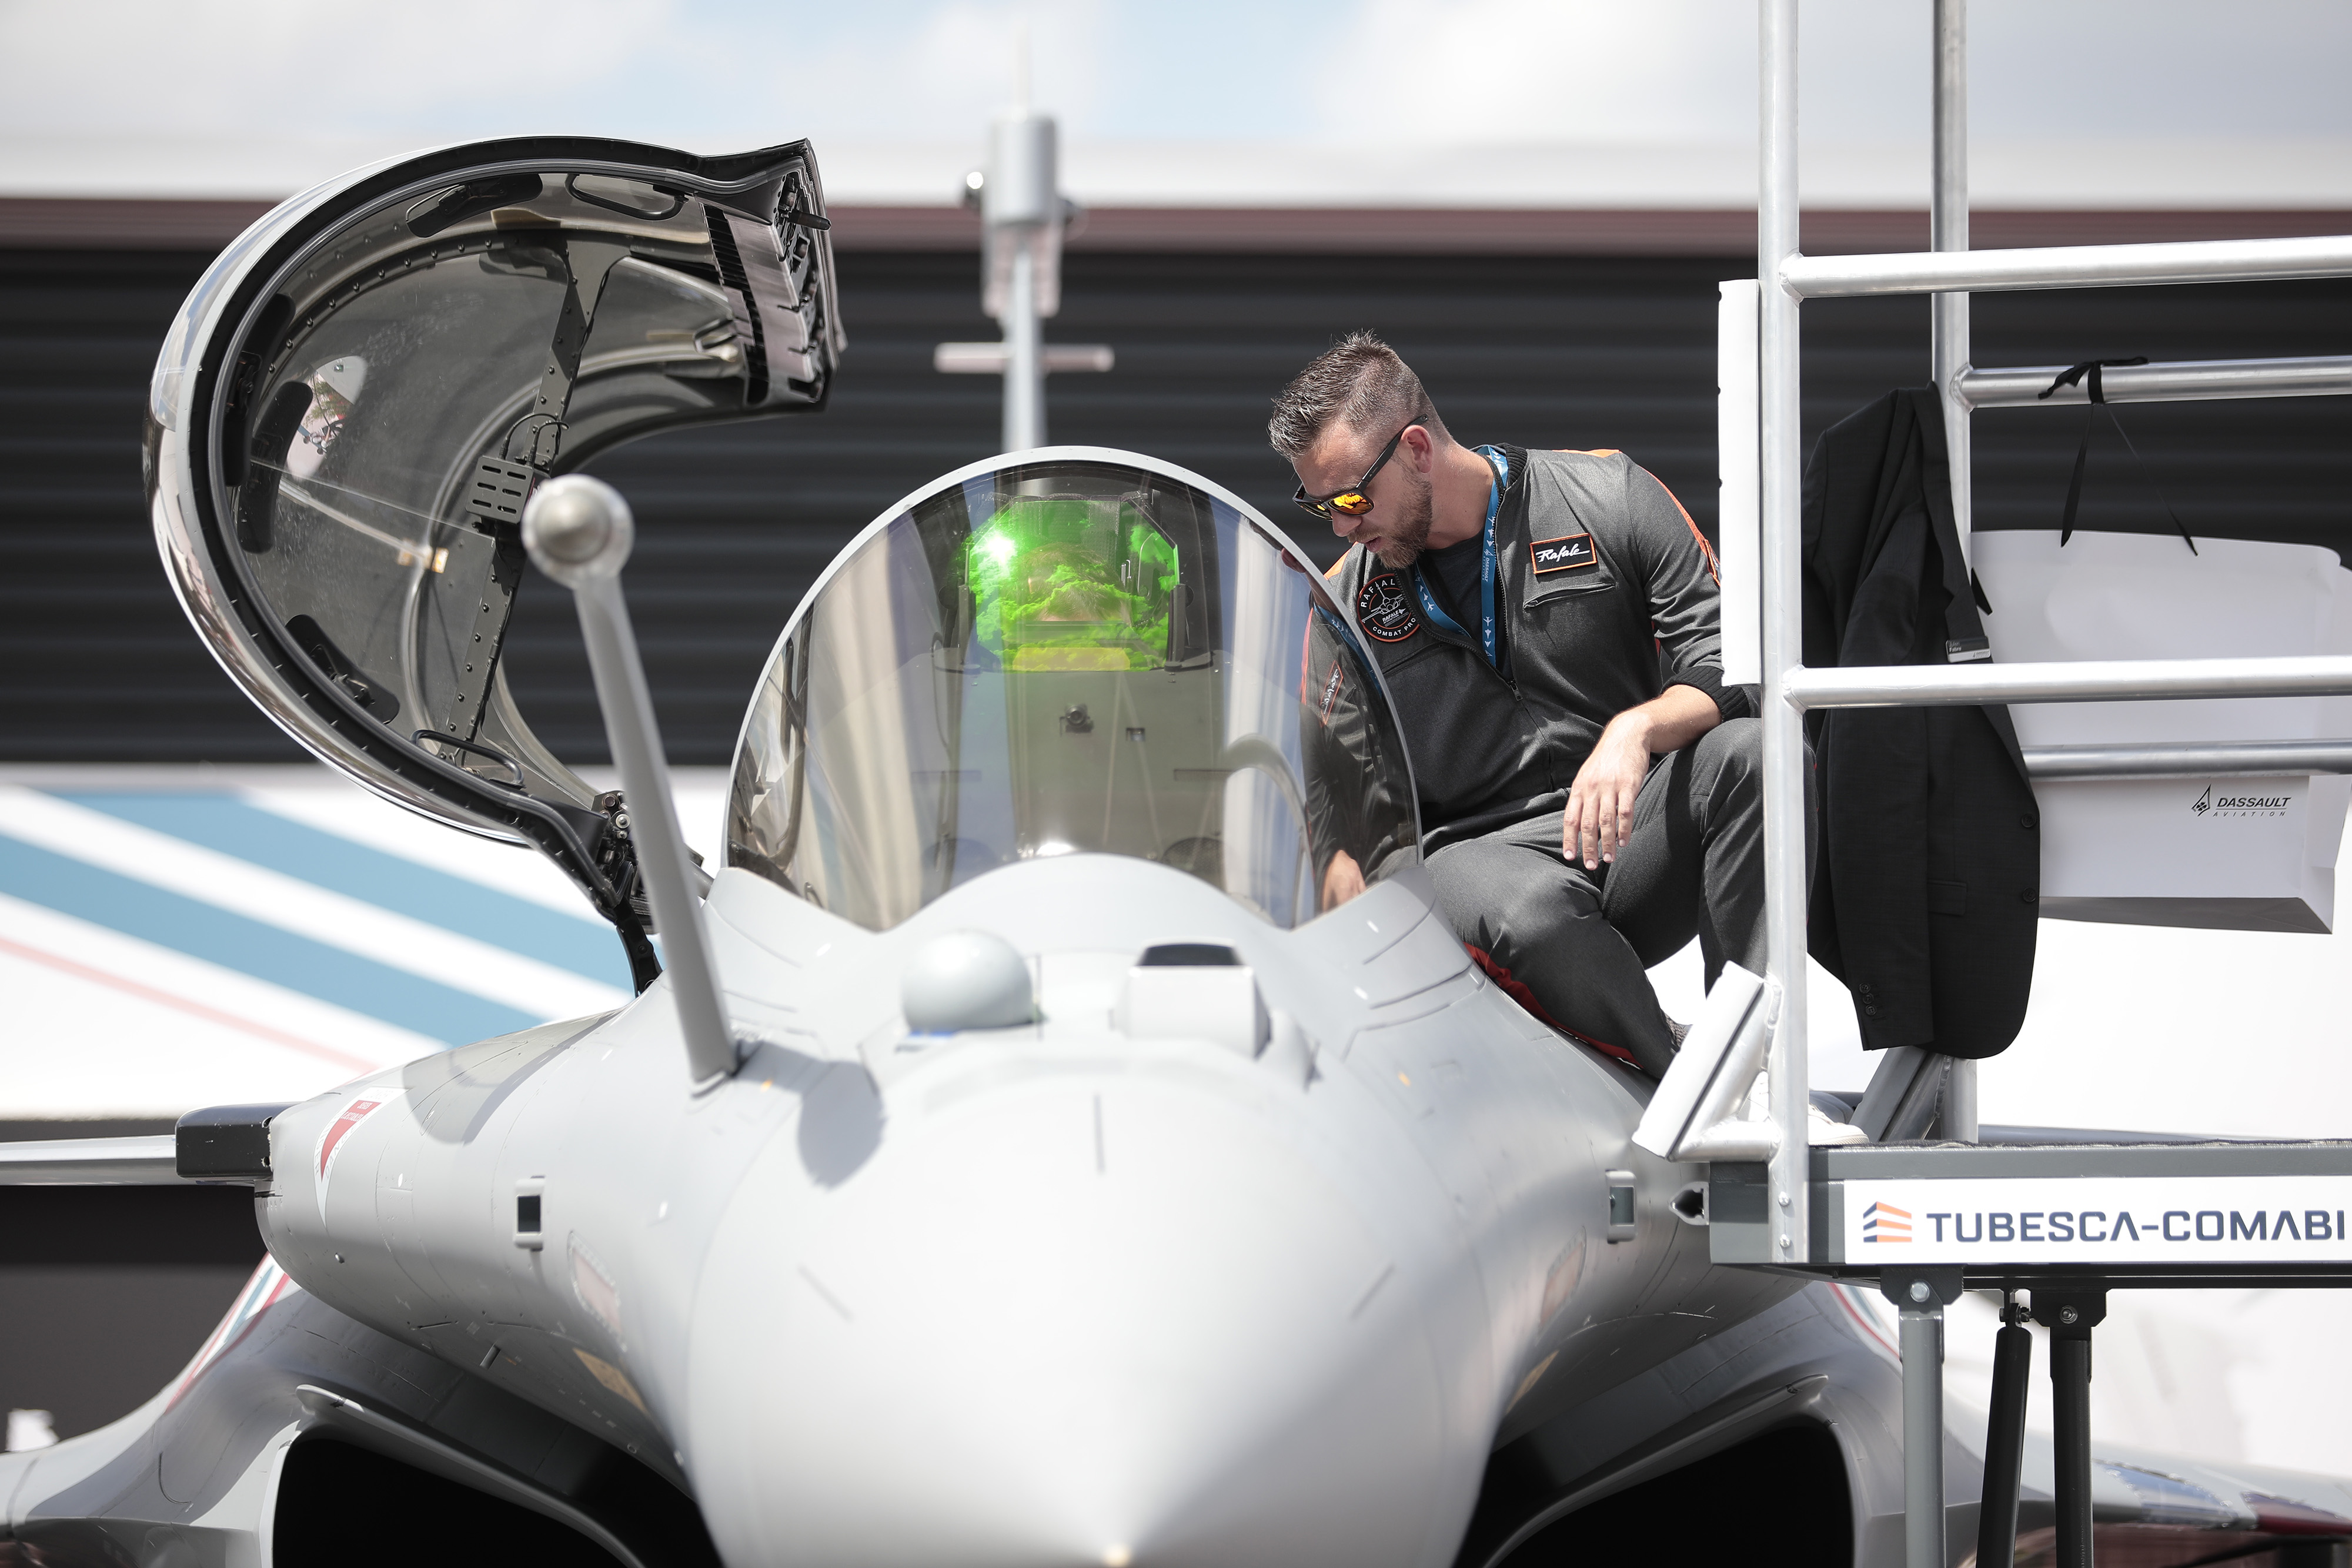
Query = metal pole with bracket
x=2004 y=1450
x=1783 y=629
x=1920 y=1296
x=579 y=531
x=1023 y=218
x=2069 y=1316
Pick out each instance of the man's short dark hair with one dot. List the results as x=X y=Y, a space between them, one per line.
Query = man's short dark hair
x=1359 y=382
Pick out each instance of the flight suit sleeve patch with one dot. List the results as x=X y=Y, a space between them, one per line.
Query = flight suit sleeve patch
x=1383 y=610
x=1570 y=552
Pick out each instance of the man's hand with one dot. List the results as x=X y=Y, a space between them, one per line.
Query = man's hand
x=1601 y=803
x=1600 y=815
x=1343 y=879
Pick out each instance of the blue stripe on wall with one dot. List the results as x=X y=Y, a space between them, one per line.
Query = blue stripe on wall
x=235 y=827
x=233 y=942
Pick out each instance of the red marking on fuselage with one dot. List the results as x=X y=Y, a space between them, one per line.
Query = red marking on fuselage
x=239 y=1321
x=1868 y=1324
x=353 y=1115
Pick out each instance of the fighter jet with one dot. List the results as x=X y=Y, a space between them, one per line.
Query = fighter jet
x=1031 y=1155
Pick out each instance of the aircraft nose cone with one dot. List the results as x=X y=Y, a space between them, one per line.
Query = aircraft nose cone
x=1057 y=1327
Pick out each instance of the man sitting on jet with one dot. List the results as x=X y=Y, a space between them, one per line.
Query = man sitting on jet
x=1590 y=789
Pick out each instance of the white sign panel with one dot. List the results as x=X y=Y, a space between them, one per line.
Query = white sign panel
x=2079 y=1220
x=2218 y=853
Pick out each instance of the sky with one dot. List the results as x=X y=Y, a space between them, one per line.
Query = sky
x=258 y=90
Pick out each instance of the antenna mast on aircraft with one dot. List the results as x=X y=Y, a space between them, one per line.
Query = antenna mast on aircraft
x=1023 y=217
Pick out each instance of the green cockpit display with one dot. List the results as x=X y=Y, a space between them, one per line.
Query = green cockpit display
x=1071 y=583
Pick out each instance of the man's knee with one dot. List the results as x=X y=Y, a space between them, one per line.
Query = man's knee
x=1471 y=879
x=1501 y=895
x=1731 y=758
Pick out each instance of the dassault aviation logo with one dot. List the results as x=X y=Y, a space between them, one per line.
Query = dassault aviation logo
x=2240 y=805
x=1383 y=612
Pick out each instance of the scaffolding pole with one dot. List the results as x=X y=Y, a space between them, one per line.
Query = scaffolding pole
x=2178 y=380
x=1948 y=230
x=2067 y=681
x=2068 y=266
x=1783 y=632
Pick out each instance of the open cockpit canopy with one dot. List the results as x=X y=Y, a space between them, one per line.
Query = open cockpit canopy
x=1076 y=650
x=360 y=392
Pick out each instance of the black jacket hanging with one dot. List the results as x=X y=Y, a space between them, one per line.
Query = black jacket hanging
x=1924 y=899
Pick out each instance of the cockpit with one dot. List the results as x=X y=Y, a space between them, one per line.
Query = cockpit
x=1082 y=653
x=1087 y=652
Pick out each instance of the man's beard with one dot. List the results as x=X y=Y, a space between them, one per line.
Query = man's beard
x=1400 y=550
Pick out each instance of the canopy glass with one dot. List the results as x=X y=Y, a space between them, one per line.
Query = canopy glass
x=1069 y=656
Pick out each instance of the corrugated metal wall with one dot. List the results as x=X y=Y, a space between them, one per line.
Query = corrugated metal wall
x=736 y=521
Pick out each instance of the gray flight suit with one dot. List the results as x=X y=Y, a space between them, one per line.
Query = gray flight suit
x=1605 y=593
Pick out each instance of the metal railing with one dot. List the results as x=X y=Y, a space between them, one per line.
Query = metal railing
x=1763 y=579
x=2073 y=681
x=2066 y=266
x=1761 y=528
x=2230 y=759
x=2184 y=381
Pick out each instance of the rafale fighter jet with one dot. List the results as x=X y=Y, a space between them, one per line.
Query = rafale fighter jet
x=1025 y=1170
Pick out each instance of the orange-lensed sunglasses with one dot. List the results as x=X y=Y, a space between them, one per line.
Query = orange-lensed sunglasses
x=1352 y=500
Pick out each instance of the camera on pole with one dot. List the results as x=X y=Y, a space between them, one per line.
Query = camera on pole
x=1025 y=217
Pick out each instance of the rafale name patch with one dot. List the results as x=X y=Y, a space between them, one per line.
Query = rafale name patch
x=1383 y=610
x=1563 y=554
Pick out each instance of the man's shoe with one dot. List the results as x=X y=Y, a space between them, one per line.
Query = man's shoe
x=1820 y=1129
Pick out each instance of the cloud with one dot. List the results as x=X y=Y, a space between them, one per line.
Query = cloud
x=1465 y=72
x=1346 y=75
x=654 y=69
x=2172 y=68
x=949 y=69
x=300 y=68
x=1470 y=71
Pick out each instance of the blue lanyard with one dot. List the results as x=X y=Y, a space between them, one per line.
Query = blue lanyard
x=1502 y=466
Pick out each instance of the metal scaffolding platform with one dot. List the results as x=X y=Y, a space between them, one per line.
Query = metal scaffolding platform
x=2065 y=1222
